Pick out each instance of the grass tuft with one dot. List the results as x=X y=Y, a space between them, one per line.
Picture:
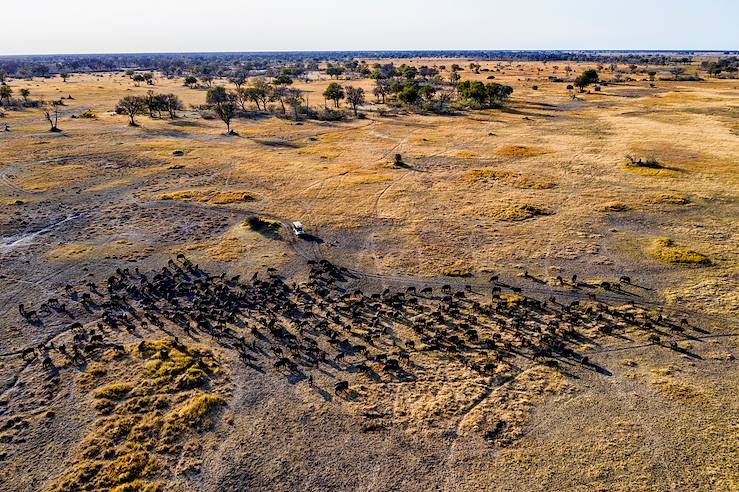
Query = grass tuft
x=192 y=415
x=520 y=212
x=615 y=207
x=262 y=224
x=665 y=250
x=671 y=198
x=209 y=196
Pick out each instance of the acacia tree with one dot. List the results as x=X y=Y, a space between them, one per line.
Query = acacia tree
x=242 y=96
x=238 y=79
x=137 y=79
x=261 y=92
x=24 y=94
x=279 y=94
x=171 y=103
x=294 y=98
x=5 y=93
x=153 y=103
x=380 y=90
x=408 y=93
x=427 y=92
x=586 y=78
x=223 y=102
x=51 y=113
x=334 y=92
x=355 y=97
x=64 y=76
x=248 y=94
x=444 y=98
x=483 y=94
x=131 y=106
x=282 y=79
x=333 y=71
x=190 y=81
x=208 y=79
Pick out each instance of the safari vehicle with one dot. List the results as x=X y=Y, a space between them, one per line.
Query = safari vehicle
x=298 y=229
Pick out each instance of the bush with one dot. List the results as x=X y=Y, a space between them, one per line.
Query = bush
x=261 y=224
x=325 y=114
x=650 y=163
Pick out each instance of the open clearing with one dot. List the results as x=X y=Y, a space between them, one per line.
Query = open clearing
x=634 y=398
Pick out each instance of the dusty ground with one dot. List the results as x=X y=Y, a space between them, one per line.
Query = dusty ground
x=542 y=186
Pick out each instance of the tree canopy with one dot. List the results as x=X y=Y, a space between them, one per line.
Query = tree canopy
x=334 y=92
x=586 y=78
x=483 y=95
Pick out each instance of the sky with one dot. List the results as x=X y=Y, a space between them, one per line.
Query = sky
x=136 y=26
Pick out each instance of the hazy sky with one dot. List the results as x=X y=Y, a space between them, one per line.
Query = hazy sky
x=99 y=26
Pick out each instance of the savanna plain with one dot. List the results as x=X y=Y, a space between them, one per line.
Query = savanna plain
x=540 y=295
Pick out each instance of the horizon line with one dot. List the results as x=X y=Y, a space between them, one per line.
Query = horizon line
x=370 y=51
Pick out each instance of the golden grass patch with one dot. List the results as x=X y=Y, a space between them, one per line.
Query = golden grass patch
x=466 y=154
x=520 y=151
x=209 y=196
x=191 y=415
x=10 y=202
x=323 y=151
x=665 y=250
x=368 y=179
x=147 y=412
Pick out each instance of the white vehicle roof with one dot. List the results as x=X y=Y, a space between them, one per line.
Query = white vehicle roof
x=298 y=225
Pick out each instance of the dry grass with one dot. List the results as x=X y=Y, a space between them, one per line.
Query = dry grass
x=460 y=207
x=209 y=196
x=521 y=211
x=520 y=151
x=158 y=394
x=516 y=180
x=615 y=207
x=190 y=416
x=671 y=199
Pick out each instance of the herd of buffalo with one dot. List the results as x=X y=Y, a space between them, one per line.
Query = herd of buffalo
x=326 y=325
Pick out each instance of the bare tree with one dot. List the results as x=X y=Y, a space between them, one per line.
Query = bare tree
x=51 y=113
